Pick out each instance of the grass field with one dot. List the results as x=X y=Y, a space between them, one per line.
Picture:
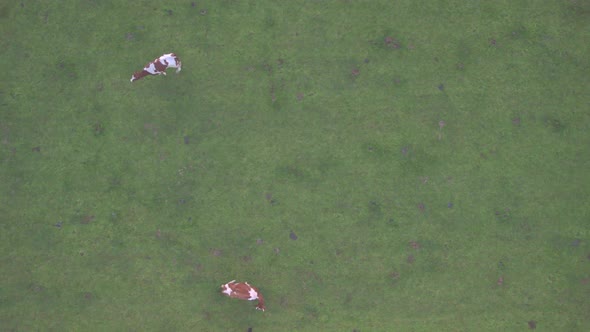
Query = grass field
x=369 y=165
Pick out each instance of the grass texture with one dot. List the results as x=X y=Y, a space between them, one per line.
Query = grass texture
x=431 y=158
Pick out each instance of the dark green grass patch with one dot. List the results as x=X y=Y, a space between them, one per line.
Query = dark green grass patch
x=370 y=166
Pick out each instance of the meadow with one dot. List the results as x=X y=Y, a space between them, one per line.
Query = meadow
x=373 y=165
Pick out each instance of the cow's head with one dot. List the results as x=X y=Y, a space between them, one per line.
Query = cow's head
x=138 y=74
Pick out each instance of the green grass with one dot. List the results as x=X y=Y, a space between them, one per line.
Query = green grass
x=299 y=117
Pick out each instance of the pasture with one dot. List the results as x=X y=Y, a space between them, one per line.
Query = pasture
x=368 y=165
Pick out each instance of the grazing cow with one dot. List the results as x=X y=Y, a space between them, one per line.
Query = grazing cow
x=159 y=66
x=243 y=291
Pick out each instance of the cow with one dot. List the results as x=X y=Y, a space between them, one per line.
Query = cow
x=243 y=291
x=159 y=66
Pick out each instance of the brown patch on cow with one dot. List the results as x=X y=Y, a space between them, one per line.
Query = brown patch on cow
x=140 y=74
x=159 y=66
x=355 y=72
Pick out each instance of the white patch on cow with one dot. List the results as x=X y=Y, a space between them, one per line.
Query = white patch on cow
x=226 y=290
x=253 y=294
x=170 y=61
x=151 y=69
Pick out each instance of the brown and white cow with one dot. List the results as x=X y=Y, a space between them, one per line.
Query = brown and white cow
x=243 y=291
x=159 y=66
